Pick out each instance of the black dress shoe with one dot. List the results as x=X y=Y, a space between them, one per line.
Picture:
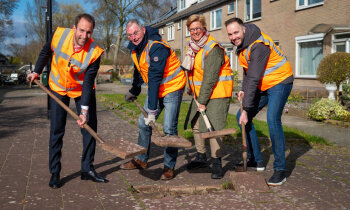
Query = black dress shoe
x=55 y=181
x=92 y=175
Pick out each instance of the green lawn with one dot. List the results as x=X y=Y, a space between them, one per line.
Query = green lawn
x=130 y=110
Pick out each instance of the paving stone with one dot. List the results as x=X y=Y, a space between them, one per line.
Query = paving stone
x=318 y=178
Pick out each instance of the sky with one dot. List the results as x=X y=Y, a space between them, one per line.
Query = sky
x=19 y=21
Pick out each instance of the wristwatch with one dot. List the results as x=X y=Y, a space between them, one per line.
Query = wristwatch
x=84 y=114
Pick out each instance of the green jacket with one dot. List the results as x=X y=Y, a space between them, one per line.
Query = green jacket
x=217 y=109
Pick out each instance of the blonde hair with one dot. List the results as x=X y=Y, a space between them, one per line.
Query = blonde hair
x=194 y=18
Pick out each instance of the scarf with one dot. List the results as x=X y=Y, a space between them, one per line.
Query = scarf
x=192 y=49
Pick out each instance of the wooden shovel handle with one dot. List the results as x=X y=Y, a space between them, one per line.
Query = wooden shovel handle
x=73 y=114
x=143 y=111
x=244 y=142
x=204 y=115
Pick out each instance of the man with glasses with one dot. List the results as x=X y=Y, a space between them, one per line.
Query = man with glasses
x=267 y=80
x=156 y=65
x=75 y=62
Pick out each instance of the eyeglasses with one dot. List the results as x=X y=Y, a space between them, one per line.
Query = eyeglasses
x=195 y=29
x=133 y=34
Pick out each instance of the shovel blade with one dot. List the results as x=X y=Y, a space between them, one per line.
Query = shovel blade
x=123 y=148
x=171 y=141
x=219 y=133
x=248 y=182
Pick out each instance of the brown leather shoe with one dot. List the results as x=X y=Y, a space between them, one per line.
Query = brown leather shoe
x=134 y=164
x=167 y=174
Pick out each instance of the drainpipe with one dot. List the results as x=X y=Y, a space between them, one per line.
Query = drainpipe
x=182 y=43
x=236 y=47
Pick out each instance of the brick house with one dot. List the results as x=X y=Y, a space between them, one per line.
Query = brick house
x=305 y=30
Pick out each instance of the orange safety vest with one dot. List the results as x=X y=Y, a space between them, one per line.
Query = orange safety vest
x=68 y=67
x=173 y=78
x=224 y=84
x=277 y=68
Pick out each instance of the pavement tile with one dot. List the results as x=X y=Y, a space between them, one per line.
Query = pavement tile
x=13 y=190
x=15 y=165
x=319 y=178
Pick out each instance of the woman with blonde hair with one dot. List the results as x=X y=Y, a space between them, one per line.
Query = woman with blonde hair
x=211 y=81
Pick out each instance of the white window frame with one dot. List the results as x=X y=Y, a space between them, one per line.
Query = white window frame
x=231 y=55
x=251 y=11
x=171 y=32
x=162 y=31
x=213 y=13
x=303 y=39
x=307 y=4
x=337 y=41
x=187 y=32
x=184 y=6
x=179 y=26
x=228 y=8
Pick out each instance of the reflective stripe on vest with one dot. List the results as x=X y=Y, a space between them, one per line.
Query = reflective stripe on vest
x=169 y=77
x=224 y=83
x=82 y=66
x=221 y=78
x=275 y=67
x=68 y=67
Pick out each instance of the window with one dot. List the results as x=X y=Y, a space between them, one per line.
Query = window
x=161 y=32
x=171 y=32
x=252 y=9
x=301 y=4
x=216 y=19
x=231 y=8
x=182 y=4
x=179 y=26
x=341 y=43
x=230 y=54
x=187 y=32
x=309 y=54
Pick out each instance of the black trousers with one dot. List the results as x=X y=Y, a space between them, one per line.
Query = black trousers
x=58 y=117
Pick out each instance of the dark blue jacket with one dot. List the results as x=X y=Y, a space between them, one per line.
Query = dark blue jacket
x=158 y=58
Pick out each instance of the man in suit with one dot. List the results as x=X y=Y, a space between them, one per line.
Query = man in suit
x=75 y=60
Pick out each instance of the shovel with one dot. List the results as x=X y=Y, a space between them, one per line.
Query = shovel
x=120 y=148
x=164 y=140
x=244 y=146
x=212 y=133
x=247 y=181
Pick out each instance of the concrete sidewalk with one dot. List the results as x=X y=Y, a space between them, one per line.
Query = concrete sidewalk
x=318 y=177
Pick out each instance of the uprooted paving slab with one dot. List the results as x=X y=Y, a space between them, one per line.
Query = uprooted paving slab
x=318 y=176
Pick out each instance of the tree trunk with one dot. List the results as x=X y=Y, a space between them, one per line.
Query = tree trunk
x=117 y=44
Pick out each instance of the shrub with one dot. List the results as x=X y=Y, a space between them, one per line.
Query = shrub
x=334 y=68
x=325 y=109
x=346 y=94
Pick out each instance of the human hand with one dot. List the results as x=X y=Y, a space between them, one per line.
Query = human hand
x=83 y=118
x=201 y=107
x=243 y=118
x=32 y=76
x=129 y=97
x=150 y=118
x=240 y=95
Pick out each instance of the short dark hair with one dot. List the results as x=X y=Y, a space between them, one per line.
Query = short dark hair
x=234 y=20
x=87 y=17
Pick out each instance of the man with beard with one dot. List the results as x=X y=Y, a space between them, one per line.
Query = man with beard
x=267 y=80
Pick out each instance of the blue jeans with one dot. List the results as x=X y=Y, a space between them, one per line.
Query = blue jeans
x=171 y=103
x=275 y=97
